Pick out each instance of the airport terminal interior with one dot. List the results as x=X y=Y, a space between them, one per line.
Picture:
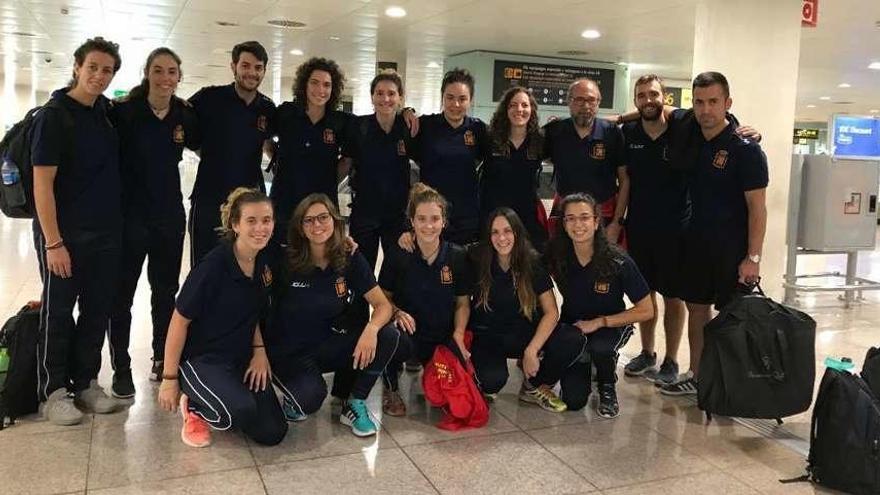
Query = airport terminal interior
x=801 y=72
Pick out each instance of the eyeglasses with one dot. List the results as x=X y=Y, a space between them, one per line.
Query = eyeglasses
x=321 y=219
x=581 y=101
x=578 y=218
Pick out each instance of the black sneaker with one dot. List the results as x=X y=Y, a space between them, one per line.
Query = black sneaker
x=668 y=373
x=640 y=364
x=685 y=385
x=157 y=370
x=608 y=407
x=123 y=386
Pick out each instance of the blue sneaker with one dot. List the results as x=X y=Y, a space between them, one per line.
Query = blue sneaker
x=292 y=412
x=356 y=415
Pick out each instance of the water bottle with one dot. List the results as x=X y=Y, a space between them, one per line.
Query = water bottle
x=11 y=174
x=842 y=364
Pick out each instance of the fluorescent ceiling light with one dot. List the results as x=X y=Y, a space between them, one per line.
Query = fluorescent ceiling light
x=395 y=11
x=811 y=106
x=874 y=65
x=296 y=51
x=824 y=98
x=844 y=85
x=591 y=34
x=433 y=65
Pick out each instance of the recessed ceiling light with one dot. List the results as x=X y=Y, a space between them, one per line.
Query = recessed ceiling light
x=335 y=38
x=824 y=98
x=874 y=65
x=286 y=23
x=591 y=34
x=844 y=85
x=811 y=106
x=296 y=51
x=433 y=65
x=395 y=11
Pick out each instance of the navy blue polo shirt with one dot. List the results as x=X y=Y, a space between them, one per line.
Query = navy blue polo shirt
x=88 y=187
x=584 y=296
x=310 y=305
x=380 y=166
x=448 y=159
x=224 y=304
x=505 y=311
x=728 y=166
x=308 y=155
x=150 y=152
x=427 y=292
x=233 y=133
x=585 y=165
x=658 y=196
x=510 y=177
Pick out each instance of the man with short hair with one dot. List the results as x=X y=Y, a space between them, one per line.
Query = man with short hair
x=587 y=155
x=236 y=120
x=727 y=181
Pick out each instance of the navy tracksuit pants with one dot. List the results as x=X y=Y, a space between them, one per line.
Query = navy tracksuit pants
x=217 y=394
x=601 y=351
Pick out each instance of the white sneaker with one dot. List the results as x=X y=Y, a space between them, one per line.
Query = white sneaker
x=60 y=410
x=95 y=399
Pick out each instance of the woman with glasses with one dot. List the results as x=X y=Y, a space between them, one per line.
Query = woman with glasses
x=593 y=276
x=314 y=327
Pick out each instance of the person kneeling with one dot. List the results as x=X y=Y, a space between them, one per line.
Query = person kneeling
x=214 y=352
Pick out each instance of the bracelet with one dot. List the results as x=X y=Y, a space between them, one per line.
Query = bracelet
x=169 y=377
x=258 y=346
x=55 y=245
x=604 y=321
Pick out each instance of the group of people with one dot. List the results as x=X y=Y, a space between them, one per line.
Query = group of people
x=282 y=289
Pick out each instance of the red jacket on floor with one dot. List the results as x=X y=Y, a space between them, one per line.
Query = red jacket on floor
x=450 y=385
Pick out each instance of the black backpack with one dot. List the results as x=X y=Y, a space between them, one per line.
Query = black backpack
x=758 y=360
x=845 y=435
x=17 y=200
x=20 y=335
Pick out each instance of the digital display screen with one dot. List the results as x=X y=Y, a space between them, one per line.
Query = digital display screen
x=854 y=136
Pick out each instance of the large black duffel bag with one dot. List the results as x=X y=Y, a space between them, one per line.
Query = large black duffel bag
x=758 y=360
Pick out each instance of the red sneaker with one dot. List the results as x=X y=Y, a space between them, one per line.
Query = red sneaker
x=195 y=431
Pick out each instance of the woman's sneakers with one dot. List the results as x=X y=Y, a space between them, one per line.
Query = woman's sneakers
x=639 y=365
x=543 y=396
x=685 y=385
x=392 y=403
x=356 y=415
x=292 y=412
x=608 y=407
x=60 y=410
x=668 y=373
x=195 y=431
x=95 y=399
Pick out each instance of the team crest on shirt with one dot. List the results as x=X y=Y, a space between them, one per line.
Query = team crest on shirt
x=469 y=139
x=446 y=275
x=341 y=287
x=720 y=160
x=178 y=134
x=267 y=276
x=262 y=123
x=401 y=148
x=329 y=137
x=602 y=287
x=598 y=151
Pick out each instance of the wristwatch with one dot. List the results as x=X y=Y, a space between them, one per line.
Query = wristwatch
x=755 y=258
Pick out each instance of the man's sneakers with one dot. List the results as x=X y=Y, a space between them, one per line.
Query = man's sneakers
x=292 y=412
x=60 y=410
x=156 y=370
x=641 y=364
x=608 y=407
x=195 y=431
x=123 y=385
x=356 y=415
x=543 y=396
x=668 y=373
x=95 y=399
x=392 y=403
x=685 y=385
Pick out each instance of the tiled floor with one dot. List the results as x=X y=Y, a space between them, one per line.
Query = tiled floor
x=657 y=445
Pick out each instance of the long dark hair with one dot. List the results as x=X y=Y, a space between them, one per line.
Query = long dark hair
x=299 y=255
x=561 y=249
x=522 y=262
x=304 y=72
x=499 y=126
x=142 y=90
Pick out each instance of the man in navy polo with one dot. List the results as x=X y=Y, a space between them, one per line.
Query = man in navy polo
x=587 y=155
x=658 y=211
x=236 y=121
x=723 y=243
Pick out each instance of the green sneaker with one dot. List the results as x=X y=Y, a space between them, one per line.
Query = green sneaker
x=544 y=397
x=356 y=415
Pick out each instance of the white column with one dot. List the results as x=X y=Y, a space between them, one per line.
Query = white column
x=756 y=45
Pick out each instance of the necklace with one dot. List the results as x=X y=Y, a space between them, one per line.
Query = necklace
x=159 y=111
x=434 y=253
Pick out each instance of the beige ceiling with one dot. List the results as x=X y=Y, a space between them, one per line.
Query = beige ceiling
x=356 y=33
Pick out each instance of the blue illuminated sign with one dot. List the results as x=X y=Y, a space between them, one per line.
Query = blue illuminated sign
x=855 y=137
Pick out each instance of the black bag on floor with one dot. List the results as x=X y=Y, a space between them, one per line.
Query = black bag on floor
x=845 y=435
x=19 y=335
x=758 y=360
